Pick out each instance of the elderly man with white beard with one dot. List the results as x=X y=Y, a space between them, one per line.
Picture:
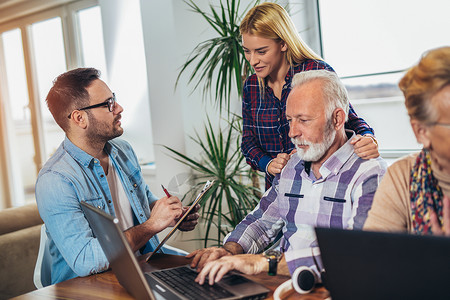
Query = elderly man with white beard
x=325 y=184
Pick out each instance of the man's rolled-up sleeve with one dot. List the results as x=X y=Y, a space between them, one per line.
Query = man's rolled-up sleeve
x=261 y=226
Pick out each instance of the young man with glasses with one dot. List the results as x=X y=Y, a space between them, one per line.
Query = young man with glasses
x=91 y=165
x=110 y=103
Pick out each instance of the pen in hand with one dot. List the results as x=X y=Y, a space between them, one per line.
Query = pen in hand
x=168 y=194
x=165 y=191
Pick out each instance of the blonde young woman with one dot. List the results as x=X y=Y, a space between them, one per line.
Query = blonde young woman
x=276 y=52
x=414 y=195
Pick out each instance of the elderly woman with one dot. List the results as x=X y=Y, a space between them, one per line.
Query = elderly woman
x=414 y=195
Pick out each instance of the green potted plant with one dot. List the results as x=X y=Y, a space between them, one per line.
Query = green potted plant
x=219 y=63
x=232 y=196
x=219 y=67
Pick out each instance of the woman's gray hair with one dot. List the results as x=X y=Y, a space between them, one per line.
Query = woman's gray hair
x=333 y=89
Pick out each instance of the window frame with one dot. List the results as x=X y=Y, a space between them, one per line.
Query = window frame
x=10 y=193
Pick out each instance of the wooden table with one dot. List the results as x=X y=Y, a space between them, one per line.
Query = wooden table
x=106 y=286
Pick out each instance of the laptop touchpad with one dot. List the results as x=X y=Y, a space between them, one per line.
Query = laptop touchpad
x=234 y=280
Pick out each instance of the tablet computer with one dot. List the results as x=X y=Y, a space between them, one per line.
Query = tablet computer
x=208 y=184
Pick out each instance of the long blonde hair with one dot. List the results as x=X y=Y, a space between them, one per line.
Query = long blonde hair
x=271 y=21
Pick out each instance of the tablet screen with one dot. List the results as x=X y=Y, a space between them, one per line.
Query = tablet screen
x=197 y=199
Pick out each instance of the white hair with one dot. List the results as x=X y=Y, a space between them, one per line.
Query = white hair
x=333 y=89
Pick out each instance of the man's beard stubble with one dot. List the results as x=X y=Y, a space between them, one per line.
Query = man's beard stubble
x=100 y=132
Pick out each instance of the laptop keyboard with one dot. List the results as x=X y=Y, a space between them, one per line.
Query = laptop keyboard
x=182 y=280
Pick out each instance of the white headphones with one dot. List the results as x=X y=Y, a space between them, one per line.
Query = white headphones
x=304 y=279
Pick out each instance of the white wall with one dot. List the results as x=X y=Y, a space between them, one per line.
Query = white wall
x=171 y=31
x=304 y=15
x=162 y=48
x=127 y=72
x=390 y=121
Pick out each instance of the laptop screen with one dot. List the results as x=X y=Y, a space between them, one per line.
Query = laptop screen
x=379 y=265
x=119 y=254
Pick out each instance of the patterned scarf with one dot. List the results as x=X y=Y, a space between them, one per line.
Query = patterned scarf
x=425 y=193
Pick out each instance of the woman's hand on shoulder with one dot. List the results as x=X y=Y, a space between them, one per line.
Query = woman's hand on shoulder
x=365 y=146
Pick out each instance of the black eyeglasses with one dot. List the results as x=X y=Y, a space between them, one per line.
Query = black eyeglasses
x=110 y=103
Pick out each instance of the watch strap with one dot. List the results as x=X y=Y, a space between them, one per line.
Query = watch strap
x=273 y=264
x=273 y=257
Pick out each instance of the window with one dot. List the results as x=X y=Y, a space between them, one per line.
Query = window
x=370 y=44
x=91 y=34
x=18 y=116
x=49 y=61
x=29 y=66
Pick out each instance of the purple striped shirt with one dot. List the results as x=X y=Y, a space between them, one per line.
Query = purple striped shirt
x=297 y=202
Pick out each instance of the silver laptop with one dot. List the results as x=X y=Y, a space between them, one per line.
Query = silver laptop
x=379 y=265
x=162 y=284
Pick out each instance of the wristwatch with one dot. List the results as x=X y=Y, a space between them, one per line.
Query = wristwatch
x=273 y=257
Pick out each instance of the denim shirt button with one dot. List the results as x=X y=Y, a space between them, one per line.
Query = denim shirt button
x=102 y=176
x=141 y=215
x=99 y=206
x=135 y=185
x=131 y=191
x=109 y=201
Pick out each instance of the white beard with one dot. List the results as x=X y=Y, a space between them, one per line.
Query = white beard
x=315 y=151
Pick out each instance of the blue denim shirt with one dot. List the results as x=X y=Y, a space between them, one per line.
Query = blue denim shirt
x=70 y=176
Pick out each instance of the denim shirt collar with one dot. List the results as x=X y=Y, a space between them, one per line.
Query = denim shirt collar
x=81 y=156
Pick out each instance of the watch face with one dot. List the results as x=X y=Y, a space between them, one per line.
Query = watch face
x=273 y=257
x=273 y=254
